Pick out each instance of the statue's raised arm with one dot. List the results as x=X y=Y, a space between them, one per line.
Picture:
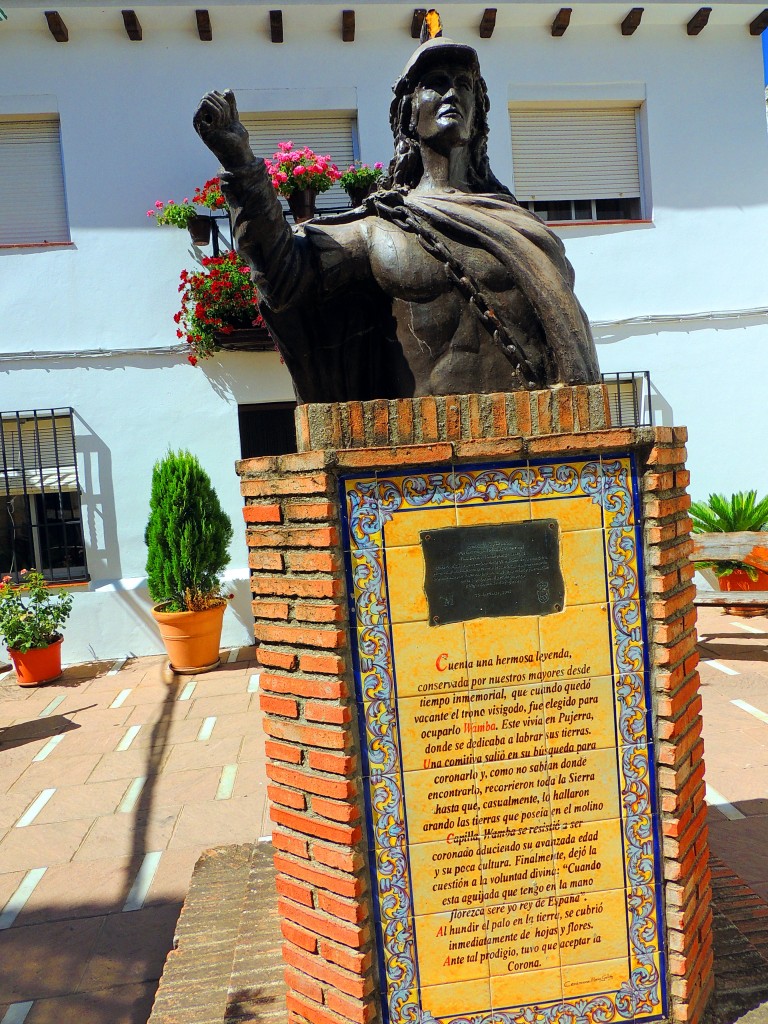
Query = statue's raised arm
x=217 y=123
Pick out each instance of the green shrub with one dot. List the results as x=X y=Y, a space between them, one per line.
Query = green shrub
x=187 y=535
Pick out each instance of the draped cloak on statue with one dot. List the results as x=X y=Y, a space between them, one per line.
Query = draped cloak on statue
x=333 y=323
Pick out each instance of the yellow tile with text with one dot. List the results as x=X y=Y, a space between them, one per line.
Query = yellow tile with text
x=583 y=980
x=429 y=659
x=583 y=633
x=593 y=927
x=445 y=875
x=589 y=706
x=444 y=950
x=525 y=936
x=440 y=804
x=590 y=857
x=498 y=647
x=584 y=787
x=421 y=722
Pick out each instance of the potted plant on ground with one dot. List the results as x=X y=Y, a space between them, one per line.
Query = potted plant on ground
x=359 y=180
x=735 y=514
x=30 y=617
x=216 y=302
x=187 y=538
x=299 y=175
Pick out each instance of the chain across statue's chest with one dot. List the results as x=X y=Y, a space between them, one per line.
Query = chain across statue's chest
x=405 y=270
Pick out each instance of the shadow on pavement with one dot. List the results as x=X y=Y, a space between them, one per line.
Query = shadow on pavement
x=37 y=729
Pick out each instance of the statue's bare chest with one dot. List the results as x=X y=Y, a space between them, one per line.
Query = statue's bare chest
x=404 y=269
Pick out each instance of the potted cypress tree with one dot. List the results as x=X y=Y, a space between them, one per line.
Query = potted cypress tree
x=187 y=540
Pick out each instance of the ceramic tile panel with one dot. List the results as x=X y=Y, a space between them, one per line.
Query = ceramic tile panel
x=508 y=759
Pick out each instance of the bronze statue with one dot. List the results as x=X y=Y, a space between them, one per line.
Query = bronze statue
x=440 y=283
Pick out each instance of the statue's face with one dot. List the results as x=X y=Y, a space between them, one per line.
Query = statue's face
x=444 y=106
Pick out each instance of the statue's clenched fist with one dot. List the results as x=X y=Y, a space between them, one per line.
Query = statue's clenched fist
x=217 y=123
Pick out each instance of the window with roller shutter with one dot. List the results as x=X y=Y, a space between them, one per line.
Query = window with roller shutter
x=33 y=209
x=578 y=163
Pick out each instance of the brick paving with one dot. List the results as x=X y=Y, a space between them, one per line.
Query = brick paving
x=101 y=825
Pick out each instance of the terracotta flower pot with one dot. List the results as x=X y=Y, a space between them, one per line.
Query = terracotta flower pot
x=739 y=580
x=192 y=639
x=302 y=204
x=38 y=664
x=200 y=230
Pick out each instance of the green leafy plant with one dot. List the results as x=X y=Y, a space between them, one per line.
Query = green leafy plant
x=30 y=612
x=175 y=214
x=361 y=176
x=722 y=514
x=187 y=535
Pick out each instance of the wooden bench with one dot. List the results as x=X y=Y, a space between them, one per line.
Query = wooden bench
x=747 y=547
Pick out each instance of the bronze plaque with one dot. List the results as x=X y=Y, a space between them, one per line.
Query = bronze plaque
x=505 y=569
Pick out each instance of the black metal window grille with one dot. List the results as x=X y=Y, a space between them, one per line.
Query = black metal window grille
x=629 y=398
x=267 y=429
x=41 y=524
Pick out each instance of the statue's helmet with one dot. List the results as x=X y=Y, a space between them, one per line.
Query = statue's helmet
x=439 y=50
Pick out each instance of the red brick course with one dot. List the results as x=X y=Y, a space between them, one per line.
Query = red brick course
x=307 y=686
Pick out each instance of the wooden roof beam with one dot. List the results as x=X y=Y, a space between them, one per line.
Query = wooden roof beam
x=760 y=24
x=417 y=21
x=698 y=21
x=276 y=26
x=632 y=21
x=562 y=21
x=488 y=23
x=57 y=26
x=348 y=26
x=132 y=26
x=204 y=30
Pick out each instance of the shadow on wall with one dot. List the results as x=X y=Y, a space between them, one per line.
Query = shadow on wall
x=97 y=501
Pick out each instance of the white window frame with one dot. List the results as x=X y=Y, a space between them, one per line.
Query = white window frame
x=554 y=191
x=33 y=201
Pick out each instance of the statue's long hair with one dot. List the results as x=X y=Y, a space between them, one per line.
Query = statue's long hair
x=406 y=167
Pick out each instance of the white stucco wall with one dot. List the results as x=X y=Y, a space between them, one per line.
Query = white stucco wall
x=125 y=110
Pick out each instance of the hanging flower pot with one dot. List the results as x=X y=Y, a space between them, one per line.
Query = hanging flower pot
x=38 y=664
x=302 y=204
x=360 y=180
x=298 y=175
x=358 y=194
x=200 y=230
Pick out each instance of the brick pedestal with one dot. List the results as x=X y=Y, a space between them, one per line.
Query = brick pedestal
x=293 y=519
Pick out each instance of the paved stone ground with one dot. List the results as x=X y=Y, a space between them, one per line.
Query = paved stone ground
x=115 y=779
x=112 y=783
